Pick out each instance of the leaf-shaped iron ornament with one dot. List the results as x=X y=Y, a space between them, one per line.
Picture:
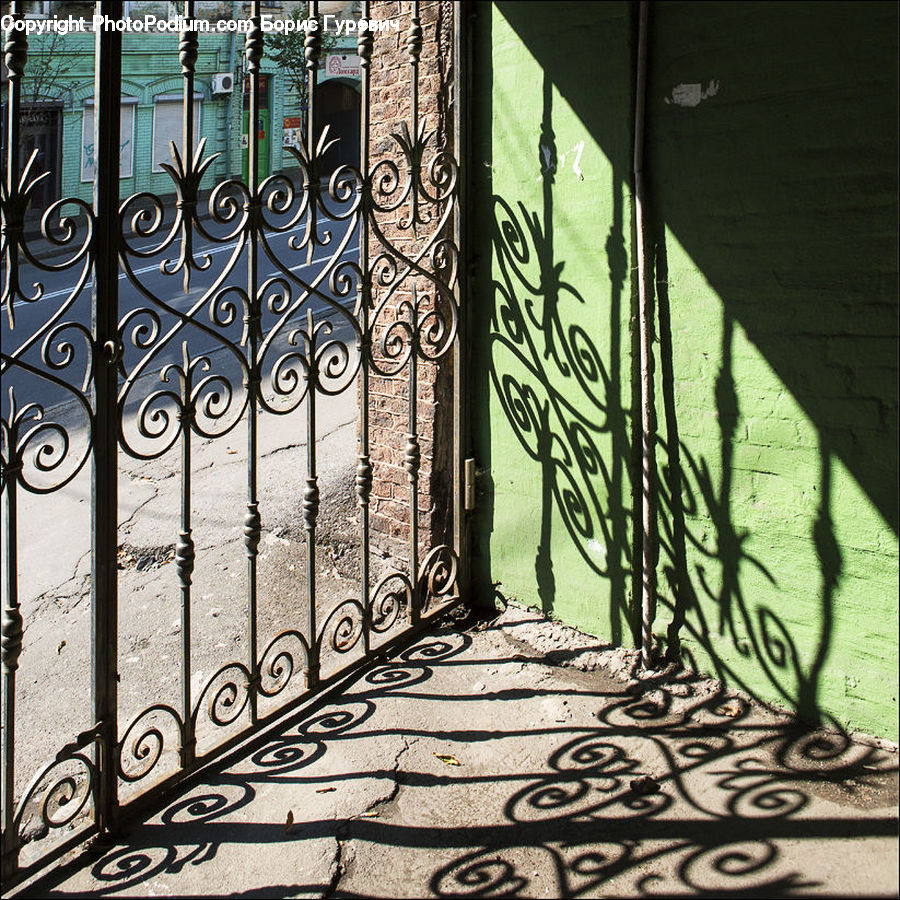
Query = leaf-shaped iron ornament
x=187 y=174
x=313 y=168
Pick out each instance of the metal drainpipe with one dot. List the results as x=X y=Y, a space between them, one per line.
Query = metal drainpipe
x=648 y=462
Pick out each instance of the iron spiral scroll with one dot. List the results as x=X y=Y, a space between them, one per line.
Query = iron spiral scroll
x=367 y=288
x=194 y=398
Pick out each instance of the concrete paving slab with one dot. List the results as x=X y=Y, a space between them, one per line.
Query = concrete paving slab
x=520 y=758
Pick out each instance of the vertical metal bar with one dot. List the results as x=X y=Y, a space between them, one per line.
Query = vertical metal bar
x=184 y=562
x=648 y=462
x=104 y=474
x=413 y=454
x=184 y=550
x=411 y=461
x=312 y=48
x=311 y=502
x=188 y=57
x=414 y=46
x=461 y=11
x=15 y=54
x=254 y=55
x=15 y=57
x=252 y=520
x=187 y=195
x=311 y=491
x=11 y=648
x=364 y=463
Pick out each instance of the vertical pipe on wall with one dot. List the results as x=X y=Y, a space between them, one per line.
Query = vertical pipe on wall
x=648 y=505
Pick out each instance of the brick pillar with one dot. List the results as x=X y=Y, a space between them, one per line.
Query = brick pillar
x=391 y=99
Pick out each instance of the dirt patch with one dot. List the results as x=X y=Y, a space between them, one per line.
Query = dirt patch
x=143 y=558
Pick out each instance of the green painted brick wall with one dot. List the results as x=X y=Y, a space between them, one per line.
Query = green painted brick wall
x=775 y=201
x=771 y=164
x=554 y=346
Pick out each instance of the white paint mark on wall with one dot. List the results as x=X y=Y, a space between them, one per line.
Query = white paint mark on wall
x=597 y=549
x=578 y=149
x=692 y=94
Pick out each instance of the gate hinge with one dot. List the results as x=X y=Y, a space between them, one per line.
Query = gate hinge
x=469 y=478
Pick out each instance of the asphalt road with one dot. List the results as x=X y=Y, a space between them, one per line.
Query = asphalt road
x=64 y=301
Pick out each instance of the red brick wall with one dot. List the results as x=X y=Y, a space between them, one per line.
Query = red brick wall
x=391 y=98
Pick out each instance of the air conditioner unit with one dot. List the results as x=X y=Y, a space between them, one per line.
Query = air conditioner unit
x=223 y=83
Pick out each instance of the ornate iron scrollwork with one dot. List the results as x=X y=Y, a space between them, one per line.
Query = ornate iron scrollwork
x=367 y=287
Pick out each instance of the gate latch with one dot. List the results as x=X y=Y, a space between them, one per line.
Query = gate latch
x=469 y=474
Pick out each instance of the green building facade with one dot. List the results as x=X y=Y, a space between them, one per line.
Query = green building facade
x=59 y=89
x=151 y=113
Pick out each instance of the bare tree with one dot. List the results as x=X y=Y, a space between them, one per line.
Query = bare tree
x=49 y=76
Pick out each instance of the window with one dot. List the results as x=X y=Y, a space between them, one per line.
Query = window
x=167 y=127
x=162 y=9
x=62 y=9
x=36 y=9
x=74 y=8
x=214 y=10
x=126 y=141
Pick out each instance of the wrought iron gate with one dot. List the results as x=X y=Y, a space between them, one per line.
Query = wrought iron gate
x=351 y=283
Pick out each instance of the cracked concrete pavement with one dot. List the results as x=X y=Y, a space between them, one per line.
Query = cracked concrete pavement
x=54 y=585
x=517 y=757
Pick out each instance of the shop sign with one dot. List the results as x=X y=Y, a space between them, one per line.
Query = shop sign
x=342 y=64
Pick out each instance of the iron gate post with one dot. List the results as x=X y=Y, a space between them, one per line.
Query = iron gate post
x=104 y=474
x=462 y=22
x=15 y=56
